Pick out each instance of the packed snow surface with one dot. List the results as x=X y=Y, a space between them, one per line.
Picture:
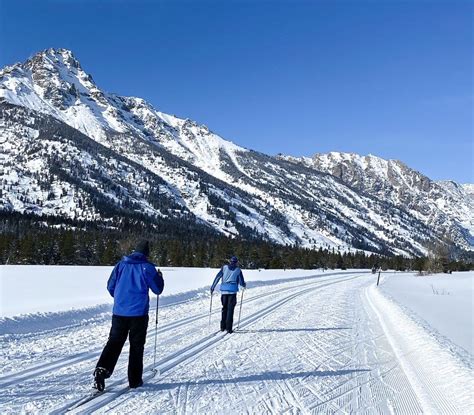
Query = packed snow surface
x=61 y=288
x=328 y=342
x=443 y=301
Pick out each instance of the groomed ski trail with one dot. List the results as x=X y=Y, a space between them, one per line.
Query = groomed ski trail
x=436 y=376
x=36 y=370
x=190 y=352
x=330 y=344
x=61 y=360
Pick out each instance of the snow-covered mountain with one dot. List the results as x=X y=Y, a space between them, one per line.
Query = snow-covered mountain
x=73 y=150
x=444 y=204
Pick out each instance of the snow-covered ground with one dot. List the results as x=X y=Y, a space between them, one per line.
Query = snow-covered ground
x=443 y=303
x=325 y=343
x=26 y=289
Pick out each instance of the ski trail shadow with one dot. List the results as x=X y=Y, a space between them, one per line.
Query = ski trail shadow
x=293 y=330
x=265 y=376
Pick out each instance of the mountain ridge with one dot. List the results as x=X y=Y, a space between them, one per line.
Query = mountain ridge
x=232 y=189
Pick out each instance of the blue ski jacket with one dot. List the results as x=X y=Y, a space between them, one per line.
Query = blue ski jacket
x=129 y=283
x=232 y=277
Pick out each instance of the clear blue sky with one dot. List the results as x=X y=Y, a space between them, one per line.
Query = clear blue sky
x=391 y=78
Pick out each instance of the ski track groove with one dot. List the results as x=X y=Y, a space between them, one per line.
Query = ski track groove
x=37 y=370
x=431 y=395
x=327 y=369
x=106 y=398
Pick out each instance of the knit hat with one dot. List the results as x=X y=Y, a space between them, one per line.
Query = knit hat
x=234 y=260
x=144 y=247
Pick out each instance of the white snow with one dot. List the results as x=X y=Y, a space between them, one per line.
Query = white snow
x=62 y=288
x=443 y=301
x=328 y=343
x=440 y=376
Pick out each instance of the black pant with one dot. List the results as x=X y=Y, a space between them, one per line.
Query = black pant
x=228 y=304
x=135 y=328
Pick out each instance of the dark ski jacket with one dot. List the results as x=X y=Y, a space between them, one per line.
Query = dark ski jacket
x=129 y=283
x=232 y=277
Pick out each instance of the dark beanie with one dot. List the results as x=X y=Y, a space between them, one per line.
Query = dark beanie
x=143 y=247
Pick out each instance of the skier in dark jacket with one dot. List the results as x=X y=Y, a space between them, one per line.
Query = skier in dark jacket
x=232 y=277
x=129 y=283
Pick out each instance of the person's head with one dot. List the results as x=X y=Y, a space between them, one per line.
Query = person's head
x=143 y=247
x=233 y=260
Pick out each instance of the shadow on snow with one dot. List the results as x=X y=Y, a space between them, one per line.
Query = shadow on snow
x=293 y=330
x=265 y=376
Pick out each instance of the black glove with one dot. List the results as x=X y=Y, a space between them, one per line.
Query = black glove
x=244 y=285
x=212 y=291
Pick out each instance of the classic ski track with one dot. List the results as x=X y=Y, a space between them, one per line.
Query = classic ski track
x=363 y=391
x=298 y=286
x=106 y=320
x=201 y=345
x=38 y=370
x=431 y=396
x=288 y=406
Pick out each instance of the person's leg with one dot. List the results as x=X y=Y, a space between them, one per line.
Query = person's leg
x=232 y=301
x=224 y=298
x=137 y=337
x=117 y=337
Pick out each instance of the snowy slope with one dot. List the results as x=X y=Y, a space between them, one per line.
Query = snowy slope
x=444 y=204
x=326 y=344
x=73 y=150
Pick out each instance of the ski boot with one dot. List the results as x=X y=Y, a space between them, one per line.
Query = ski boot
x=100 y=374
x=136 y=385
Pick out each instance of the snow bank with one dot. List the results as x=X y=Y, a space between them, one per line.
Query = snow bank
x=443 y=302
x=38 y=289
x=442 y=382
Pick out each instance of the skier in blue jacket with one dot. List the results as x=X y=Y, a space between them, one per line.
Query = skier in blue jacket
x=232 y=277
x=128 y=284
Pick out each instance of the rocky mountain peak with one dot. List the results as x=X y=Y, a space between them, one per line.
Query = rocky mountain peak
x=53 y=59
x=114 y=155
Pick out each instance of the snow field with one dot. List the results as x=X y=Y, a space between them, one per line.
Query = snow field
x=55 y=288
x=444 y=302
x=323 y=344
x=72 y=351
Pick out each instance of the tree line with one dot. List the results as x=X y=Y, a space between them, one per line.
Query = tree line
x=25 y=240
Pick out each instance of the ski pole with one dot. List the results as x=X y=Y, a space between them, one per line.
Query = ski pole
x=156 y=331
x=241 y=301
x=210 y=311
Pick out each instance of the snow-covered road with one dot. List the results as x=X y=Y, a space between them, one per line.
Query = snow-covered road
x=326 y=344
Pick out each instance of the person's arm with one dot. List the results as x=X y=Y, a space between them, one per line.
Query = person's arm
x=216 y=280
x=154 y=279
x=111 y=283
x=241 y=280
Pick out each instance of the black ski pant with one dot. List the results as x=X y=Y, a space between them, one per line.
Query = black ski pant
x=228 y=304
x=135 y=328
